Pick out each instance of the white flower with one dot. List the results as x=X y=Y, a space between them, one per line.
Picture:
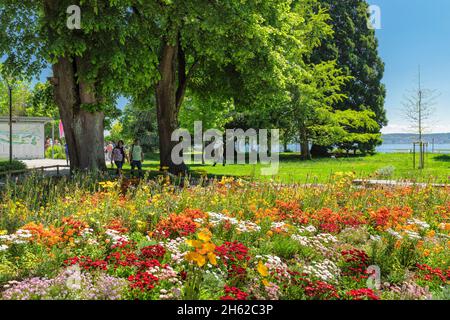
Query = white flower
x=325 y=270
x=304 y=241
x=375 y=238
x=394 y=233
x=421 y=224
x=86 y=232
x=413 y=235
x=3 y=247
x=242 y=226
x=116 y=237
x=24 y=234
x=280 y=226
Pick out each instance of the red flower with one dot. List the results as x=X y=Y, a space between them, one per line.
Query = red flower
x=233 y=293
x=153 y=252
x=361 y=294
x=431 y=274
x=87 y=263
x=356 y=263
x=233 y=252
x=143 y=281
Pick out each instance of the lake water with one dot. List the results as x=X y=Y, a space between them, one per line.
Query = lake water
x=393 y=148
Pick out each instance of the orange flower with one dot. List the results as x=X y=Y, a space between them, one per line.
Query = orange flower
x=431 y=233
x=46 y=236
x=203 y=249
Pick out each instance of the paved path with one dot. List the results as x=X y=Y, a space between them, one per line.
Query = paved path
x=38 y=163
x=43 y=163
x=395 y=183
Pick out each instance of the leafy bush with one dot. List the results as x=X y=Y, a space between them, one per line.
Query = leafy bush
x=386 y=172
x=13 y=166
x=59 y=152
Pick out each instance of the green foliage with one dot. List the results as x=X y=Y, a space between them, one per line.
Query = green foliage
x=139 y=121
x=362 y=130
x=21 y=94
x=42 y=103
x=59 y=152
x=214 y=114
x=310 y=109
x=116 y=132
x=285 y=247
x=385 y=172
x=13 y=166
x=355 y=48
x=235 y=60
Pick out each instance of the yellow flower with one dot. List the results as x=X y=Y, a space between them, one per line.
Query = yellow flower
x=262 y=269
x=196 y=257
x=204 y=249
x=207 y=248
x=212 y=258
x=195 y=243
x=141 y=224
x=204 y=235
x=266 y=283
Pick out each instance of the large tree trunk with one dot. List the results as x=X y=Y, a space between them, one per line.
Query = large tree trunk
x=83 y=129
x=169 y=96
x=304 y=144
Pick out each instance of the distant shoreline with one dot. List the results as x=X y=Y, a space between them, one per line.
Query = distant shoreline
x=409 y=138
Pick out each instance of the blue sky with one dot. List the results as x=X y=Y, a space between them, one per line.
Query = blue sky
x=413 y=33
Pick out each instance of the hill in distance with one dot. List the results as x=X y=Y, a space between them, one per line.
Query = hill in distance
x=405 y=138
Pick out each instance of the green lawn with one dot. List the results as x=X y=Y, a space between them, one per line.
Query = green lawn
x=321 y=170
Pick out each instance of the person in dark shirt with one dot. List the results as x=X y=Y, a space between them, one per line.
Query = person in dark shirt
x=119 y=156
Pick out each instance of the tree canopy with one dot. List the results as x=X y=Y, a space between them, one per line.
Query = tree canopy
x=195 y=60
x=355 y=48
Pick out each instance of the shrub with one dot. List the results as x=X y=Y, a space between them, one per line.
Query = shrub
x=13 y=166
x=59 y=152
x=385 y=172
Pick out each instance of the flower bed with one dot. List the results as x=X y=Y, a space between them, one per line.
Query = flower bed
x=230 y=240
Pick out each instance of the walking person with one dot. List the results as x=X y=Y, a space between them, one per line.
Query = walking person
x=119 y=157
x=136 y=157
x=218 y=152
x=109 y=150
x=66 y=149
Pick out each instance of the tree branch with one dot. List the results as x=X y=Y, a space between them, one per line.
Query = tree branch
x=183 y=75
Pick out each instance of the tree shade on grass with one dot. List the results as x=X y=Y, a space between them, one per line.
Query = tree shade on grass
x=292 y=170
